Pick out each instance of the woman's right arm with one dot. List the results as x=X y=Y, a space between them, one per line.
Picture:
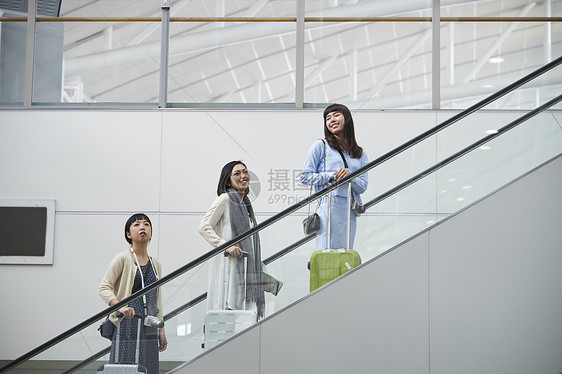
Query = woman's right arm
x=311 y=174
x=107 y=286
x=211 y=220
x=208 y=225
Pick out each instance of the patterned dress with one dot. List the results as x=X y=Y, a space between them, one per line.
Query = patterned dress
x=148 y=349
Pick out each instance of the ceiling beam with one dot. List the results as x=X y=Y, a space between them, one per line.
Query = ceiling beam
x=232 y=35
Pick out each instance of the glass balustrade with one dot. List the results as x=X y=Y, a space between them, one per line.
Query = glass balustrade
x=96 y=53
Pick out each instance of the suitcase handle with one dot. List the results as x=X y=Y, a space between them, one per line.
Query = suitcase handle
x=226 y=278
x=117 y=338
x=348 y=221
x=348 y=225
x=244 y=254
x=154 y=322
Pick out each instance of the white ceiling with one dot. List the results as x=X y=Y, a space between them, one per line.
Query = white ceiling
x=368 y=65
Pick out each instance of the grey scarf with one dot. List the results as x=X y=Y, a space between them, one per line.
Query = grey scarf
x=240 y=212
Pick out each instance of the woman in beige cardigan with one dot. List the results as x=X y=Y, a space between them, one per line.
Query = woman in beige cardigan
x=125 y=277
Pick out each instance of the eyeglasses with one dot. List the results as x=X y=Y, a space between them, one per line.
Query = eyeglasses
x=239 y=173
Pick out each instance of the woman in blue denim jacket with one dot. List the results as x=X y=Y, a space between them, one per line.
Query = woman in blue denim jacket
x=325 y=163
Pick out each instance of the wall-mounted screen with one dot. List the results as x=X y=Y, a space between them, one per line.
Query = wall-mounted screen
x=27 y=231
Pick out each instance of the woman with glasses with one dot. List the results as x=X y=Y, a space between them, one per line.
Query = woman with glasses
x=230 y=215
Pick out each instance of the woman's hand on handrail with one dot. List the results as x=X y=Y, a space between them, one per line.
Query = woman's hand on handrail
x=234 y=251
x=341 y=173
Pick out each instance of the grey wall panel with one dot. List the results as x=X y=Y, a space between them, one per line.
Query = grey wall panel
x=496 y=281
x=241 y=357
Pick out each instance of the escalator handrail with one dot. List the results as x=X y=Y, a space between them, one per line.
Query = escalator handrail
x=434 y=130
x=462 y=152
x=268 y=222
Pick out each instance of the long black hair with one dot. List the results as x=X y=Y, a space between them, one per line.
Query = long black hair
x=224 y=179
x=348 y=130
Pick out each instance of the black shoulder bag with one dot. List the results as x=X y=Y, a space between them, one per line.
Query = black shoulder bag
x=106 y=328
x=311 y=223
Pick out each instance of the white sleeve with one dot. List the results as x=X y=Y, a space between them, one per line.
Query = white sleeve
x=210 y=227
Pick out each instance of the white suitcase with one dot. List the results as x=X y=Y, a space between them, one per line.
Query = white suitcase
x=121 y=369
x=221 y=325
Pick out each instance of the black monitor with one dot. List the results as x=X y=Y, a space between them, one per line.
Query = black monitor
x=27 y=231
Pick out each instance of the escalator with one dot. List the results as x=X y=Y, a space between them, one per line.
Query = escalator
x=424 y=181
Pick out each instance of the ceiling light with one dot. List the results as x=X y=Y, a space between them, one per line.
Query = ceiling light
x=496 y=60
x=485 y=148
x=491 y=132
x=181 y=330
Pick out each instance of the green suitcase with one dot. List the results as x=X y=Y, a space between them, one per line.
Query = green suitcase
x=329 y=264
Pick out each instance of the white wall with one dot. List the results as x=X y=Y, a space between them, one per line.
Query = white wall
x=477 y=293
x=102 y=166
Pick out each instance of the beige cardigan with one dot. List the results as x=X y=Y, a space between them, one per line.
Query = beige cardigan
x=119 y=278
